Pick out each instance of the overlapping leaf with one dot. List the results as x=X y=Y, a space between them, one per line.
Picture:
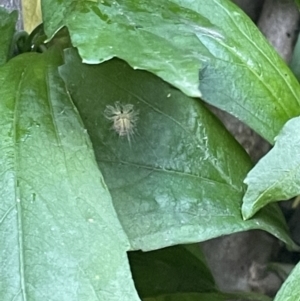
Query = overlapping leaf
x=240 y=72
x=208 y=297
x=171 y=270
x=60 y=237
x=277 y=175
x=178 y=273
x=295 y=62
x=180 y=178
x=247 y=77
x=290 y=290
x=160 y=37
x=7 y=29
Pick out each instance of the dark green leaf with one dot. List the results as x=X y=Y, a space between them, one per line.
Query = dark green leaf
x=276 y=176
x=179 y=178
x=295 y=62
x=7 y=29
x=174 y=39
x=59 y=234
x=170 y=270
x=209 y=297
x=290 y=290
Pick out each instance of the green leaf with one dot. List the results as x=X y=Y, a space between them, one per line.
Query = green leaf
x=161 y=37
x=290 y=290
x=170 y=270
x=60 y=237
x=247 y=78
x=174 y=39
x=178 y=273
x=7 y=29
x=209 y=297
x=276 y=176
x=179 y=179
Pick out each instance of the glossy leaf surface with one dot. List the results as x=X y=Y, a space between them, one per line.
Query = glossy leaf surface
x=60 y=237
x=175 y=39
x=246 y=77
x=160 y=37
x=179 y=178
x=7 y=29
x=276 y=176
x=290 y=290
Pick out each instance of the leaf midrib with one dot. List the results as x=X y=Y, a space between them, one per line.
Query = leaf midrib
x=171 y=171
x=17 y=191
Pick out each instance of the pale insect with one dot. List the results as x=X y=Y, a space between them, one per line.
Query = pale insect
x=124 y=118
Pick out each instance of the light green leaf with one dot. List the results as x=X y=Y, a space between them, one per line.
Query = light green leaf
x=161 y=37
x=179 y=178
x=247 y=78
x=32 y=14
x=290 y=290
x=276 y=176
x=60 y=237
x=174 y=39
x=7 y=29
x=171 y=270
